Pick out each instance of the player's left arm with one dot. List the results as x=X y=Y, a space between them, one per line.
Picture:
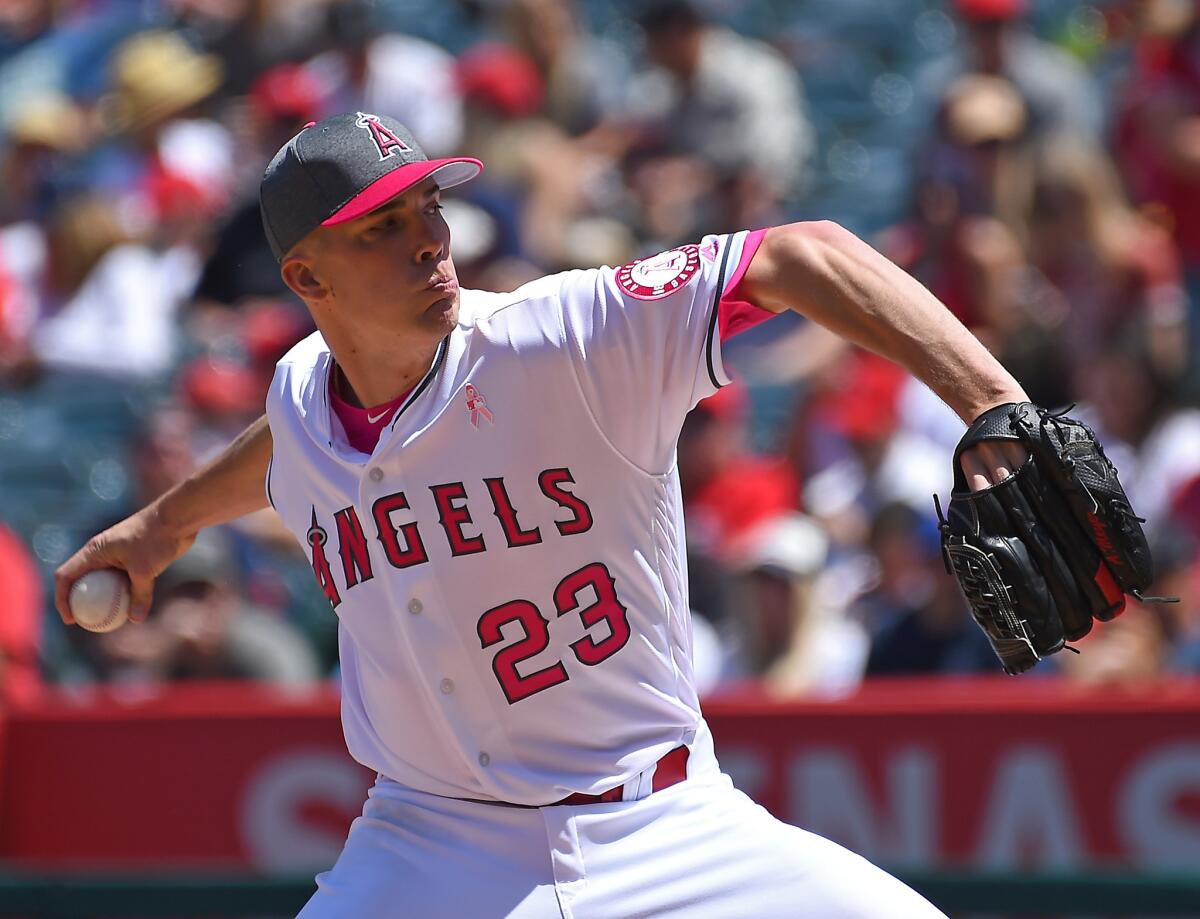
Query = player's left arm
x=825 y=272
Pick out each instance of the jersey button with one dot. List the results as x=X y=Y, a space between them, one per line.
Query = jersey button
x=415 y=606
x=484 y=759
x=376 y=474
x=447 y=686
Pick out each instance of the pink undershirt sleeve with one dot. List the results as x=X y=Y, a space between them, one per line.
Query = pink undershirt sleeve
x=734 y=312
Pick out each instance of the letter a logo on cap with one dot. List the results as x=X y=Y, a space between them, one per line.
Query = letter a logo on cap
x=387 y=142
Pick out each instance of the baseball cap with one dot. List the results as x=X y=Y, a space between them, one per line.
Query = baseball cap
x=864 y=402
x=990 y=9
x=502 y=78
x=289 y=91
x=341 y=168
x=209 y=560
x=789 y=544
x=729 y=403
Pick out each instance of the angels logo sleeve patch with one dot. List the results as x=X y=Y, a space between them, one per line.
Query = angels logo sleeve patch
x=659 y=275
x=645 y=334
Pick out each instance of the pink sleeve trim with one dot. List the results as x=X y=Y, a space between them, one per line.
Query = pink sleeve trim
x=735 y=313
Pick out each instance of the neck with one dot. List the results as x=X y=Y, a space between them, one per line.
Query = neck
x=367 y=376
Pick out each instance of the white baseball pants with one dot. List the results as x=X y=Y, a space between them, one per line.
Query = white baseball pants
x=700 y=849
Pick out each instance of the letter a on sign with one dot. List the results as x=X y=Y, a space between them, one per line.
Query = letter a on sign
x=385 y=139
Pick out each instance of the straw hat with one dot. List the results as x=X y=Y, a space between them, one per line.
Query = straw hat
x=49 y=120
x=155 y=75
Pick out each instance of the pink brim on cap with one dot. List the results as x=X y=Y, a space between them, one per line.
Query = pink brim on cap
x=447 y=172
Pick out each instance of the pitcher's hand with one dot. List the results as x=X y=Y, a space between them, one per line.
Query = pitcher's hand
x=141 y=545
x=991 y=462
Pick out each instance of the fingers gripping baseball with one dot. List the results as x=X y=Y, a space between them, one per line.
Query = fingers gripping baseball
x=138 y=545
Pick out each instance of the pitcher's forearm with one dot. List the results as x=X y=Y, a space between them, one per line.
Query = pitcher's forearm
x=836 y=279
x=232 y=485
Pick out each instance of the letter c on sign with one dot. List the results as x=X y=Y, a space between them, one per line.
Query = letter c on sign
x=1155 y=829
x=270 y=819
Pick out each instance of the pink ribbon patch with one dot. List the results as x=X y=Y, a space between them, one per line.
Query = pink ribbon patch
x=477 y=405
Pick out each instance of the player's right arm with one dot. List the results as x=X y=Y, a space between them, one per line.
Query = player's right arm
x=146 y=542
x=824 y=272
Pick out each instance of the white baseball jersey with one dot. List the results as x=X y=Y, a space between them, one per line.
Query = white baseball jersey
x=508 y=564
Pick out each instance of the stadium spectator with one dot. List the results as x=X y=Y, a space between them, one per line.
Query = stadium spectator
x=177 y=437
x=979 y=147
x=790 y=634
x=584 y=78
x=1056 y=88
x=158 y=128
x=502 y=95
x=1133 y=648
x=45 y=133
x=98 y=301
x=22 y=603
x=46 y=46
x=978 y=174
x=1177 y=574
x=22 y=23
x=1117 y=273
x=248 y=36
x=403 y=76
x=239 y=265
x=1153 y=442
x=864 y=459
x=22 y=251
x=918 y=619
x=163 y=454
x=133 y=136
x=226 y=384
x=727 y=489
x=547 y=197
x=970 y=261
x=201 y=628
x=1158 y=121
x=731 y=108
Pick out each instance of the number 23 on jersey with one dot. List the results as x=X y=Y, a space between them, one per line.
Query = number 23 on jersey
x=589 y=650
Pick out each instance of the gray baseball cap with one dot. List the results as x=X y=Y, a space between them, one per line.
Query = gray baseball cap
x=338 y=169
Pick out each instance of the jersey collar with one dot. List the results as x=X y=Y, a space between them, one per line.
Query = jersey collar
x=438 y=360
x=321 y=379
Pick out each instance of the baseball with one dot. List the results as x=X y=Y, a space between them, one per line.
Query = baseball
x=100 y=600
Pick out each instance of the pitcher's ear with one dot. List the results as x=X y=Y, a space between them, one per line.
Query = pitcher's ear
x=299 y=276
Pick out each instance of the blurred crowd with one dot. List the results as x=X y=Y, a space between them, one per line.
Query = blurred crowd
x=1035 y=164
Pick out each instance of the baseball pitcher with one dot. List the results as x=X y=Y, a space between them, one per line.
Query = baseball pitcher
x=485 y=484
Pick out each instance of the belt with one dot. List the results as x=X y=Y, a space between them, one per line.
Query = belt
x=670 y=770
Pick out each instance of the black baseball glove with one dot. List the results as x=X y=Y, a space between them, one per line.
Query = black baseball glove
x=1049 y=549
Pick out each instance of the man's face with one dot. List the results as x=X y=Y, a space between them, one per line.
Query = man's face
x=388 y=271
